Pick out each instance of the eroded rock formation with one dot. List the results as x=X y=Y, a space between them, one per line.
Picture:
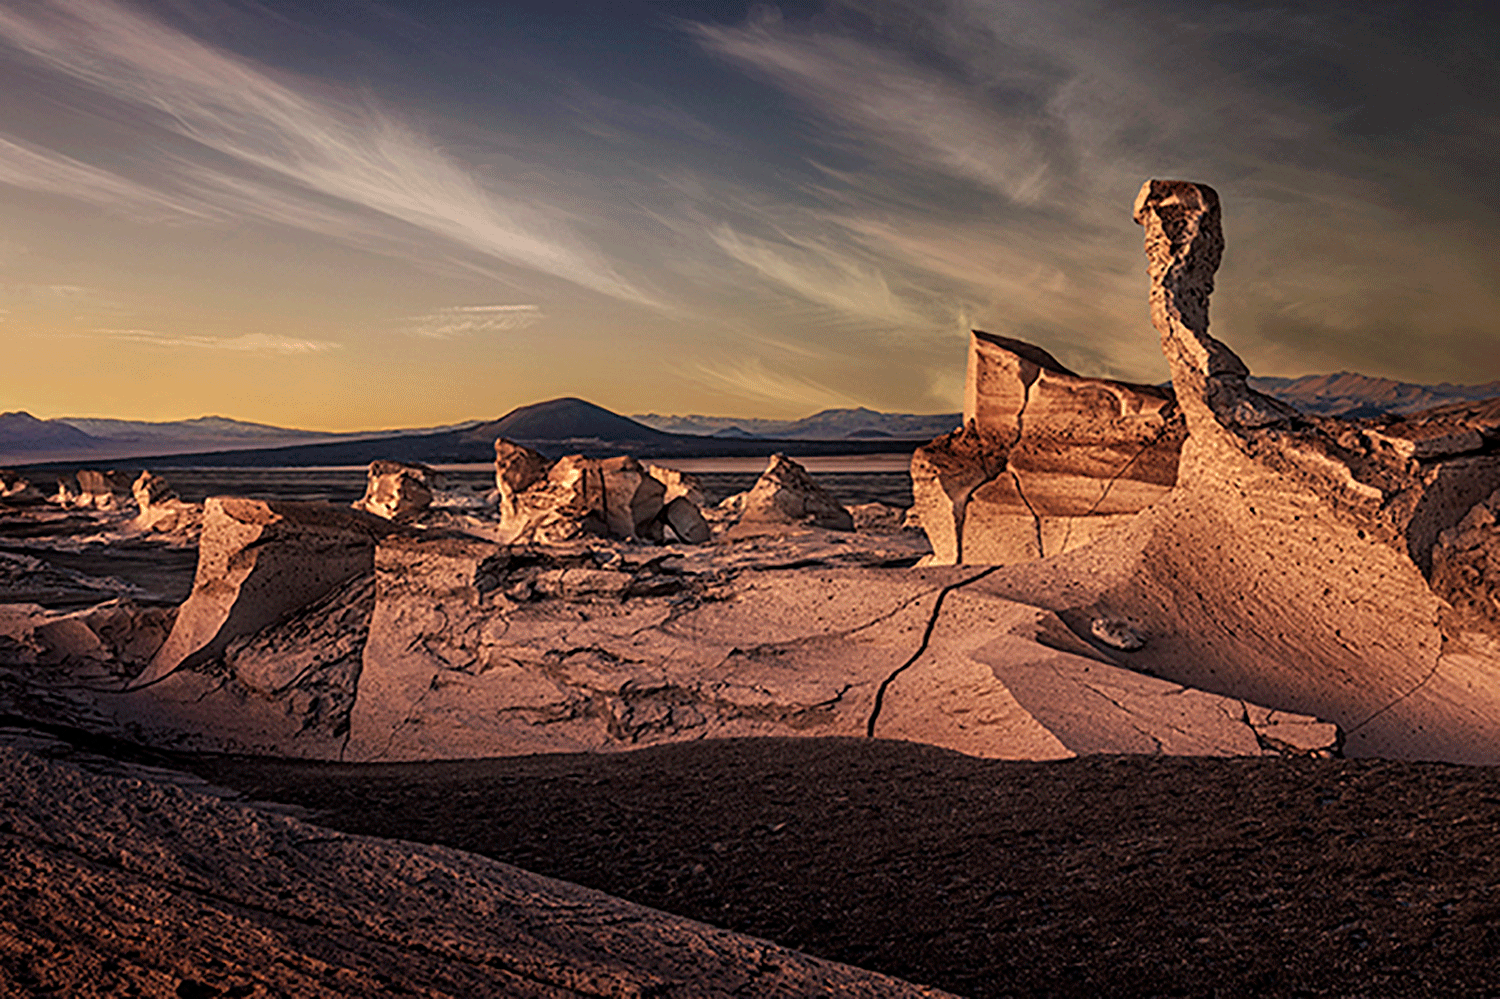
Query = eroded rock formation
x=785 y=495
x=257 y=563
x=576 y=496
x=397 y=491
x=160 y=510
x=1046 y=460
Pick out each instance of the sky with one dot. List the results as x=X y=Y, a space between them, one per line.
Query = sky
x=376 y=213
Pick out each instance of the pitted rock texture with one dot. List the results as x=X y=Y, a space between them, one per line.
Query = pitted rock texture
x=1046 y=461
x=786 y=495
x=458 y=647
x=258 y=562
x=126 y=886
x=397 y=491
x=1466 y=568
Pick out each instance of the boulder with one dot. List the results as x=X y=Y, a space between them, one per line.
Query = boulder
x=15 y=490
x=259 y=561
x=397 y=491
x=159 y=508
x=1046 y=460
x=633 y=498
x=686 y=521
x=679 y=484
x=96 y=489
x=877 y=517
x=785 y=495
x=517 y=468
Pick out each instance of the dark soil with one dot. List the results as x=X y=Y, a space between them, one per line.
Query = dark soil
x=1102 y=876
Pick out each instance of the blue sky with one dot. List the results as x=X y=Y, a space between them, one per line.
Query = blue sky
x=369 y=214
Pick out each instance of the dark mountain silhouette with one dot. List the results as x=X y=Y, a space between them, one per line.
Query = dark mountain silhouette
x=566 y=419
x=555 y=428
x=22 y=433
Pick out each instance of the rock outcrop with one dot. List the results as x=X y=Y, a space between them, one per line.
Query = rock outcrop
x=785 y=495
x=397 y=491
x=679 y=484
x=1466 y=570
x=16 y=490
x=1290 y=566
x=576 y=496
x=160 y=510
x=257 y=563
x=1046 y=460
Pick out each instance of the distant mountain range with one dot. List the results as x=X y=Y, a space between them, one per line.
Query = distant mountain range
x=1353 y=396
x=25 y=438
x=828 y=425
x=568 y=426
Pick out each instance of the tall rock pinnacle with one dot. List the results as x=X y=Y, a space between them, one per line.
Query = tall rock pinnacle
x=1184 y=243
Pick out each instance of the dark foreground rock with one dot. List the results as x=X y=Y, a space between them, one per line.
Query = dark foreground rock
x=1098 y=876
x=117 y=886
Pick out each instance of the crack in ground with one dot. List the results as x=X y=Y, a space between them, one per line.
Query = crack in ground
x=932 y=621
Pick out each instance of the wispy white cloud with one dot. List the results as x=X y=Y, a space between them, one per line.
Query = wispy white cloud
x=752 y=380
x=823 y=275
x=332 y=146
x=256 y=343
x=466 y=320
x=879 y=97
x=32 y=168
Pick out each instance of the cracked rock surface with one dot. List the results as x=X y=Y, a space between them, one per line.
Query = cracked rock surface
x=457 y=647
x=1046 y=460
x=115 y=886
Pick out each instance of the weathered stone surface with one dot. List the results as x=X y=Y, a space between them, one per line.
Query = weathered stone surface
x=397 y=491
x=678 y=484
x=129 y=886
x=16 y=490
x=160 y=509
x=1466 y=568
x=259 y=561
x=785 y=495
x=1047 y=461
x=517 y=469
x=686 y=521
x=632 y=497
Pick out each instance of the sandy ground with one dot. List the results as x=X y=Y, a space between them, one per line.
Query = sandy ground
x=1119 y=876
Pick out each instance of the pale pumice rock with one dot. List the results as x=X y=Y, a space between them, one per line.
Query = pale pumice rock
x=258 y=562
x=160 y=510
x=1046 y=461
x=678 y=484
x=786 y=495
x=1288 y=567
x=16 y=490
x=397 y=491
x=517 y=469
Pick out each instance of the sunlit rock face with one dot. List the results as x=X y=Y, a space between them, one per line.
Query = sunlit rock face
x=785 y=495
x=257 y=563
x=1290 y=565
x=397 y=491
x=159 y=509
x=574 y=497
x=1046 y=460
